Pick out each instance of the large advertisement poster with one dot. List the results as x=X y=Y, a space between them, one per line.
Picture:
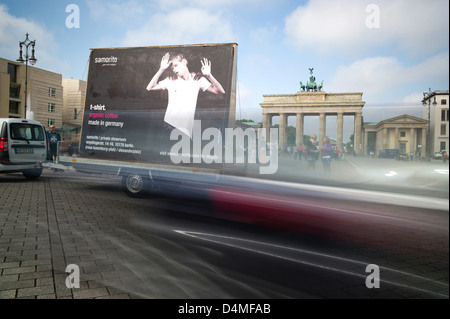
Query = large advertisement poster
x=137 y=97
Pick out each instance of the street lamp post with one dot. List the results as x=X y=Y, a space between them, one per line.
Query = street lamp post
x=26 y=43
x=427 y=101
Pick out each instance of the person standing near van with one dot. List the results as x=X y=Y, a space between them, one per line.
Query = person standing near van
x=53 y=139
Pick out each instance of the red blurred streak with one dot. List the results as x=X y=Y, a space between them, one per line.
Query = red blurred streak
x=275 y=211
x=323 y=218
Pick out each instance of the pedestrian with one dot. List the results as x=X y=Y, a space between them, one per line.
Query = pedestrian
x=325 y=151
x=70 y=149
x=300 y=151
x=54 y=138
x=411 y=155
x=313 y=151
x=336 y=154
x=444 y=157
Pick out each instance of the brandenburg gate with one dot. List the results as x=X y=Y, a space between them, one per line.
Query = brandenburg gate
x=311 y=101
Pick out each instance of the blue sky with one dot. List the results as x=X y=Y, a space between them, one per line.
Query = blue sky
x=392 y=52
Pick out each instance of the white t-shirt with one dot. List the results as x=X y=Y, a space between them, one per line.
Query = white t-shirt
x=183 y=96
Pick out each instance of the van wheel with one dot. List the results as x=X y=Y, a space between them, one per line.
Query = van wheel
x=32 y=173
x=135 y=185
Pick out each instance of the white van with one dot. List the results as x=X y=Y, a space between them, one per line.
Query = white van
x=23 y=146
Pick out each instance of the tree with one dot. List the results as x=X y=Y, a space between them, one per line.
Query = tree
x=291 y=136
x=349 y=145
x=245 y=120
x=371 y=142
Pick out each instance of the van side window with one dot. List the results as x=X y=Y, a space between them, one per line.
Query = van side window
x=39 y=133
x=15 y=132
x=30 y=132
x=27 y=133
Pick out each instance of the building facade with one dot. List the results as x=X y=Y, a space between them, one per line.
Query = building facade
x=436 y=110
x=405 y=133
x=44 y=97
x=74 y=93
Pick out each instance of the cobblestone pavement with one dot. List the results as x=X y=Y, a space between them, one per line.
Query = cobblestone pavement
x=48 y=224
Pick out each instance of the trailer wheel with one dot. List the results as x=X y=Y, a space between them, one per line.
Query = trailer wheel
x=32 y=173
x=135 y=185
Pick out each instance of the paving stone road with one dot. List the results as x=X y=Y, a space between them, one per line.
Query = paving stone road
x=49 y=224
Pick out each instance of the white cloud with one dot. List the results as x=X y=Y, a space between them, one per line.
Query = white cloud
x=184 y=26
x=416 y=24
x=413 y=98
x=13 y=30
x=371 y=75
x=434 y=70
x=381 y=77
x=325 y=26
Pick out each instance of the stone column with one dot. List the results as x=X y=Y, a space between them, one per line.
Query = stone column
x=412 y=144
x=358 y=130
x=266 y=125
x=299 y=129
x=385 y=138
x=378 y=141
x=264 y=122
x=322 y=127
x=424 y=142
x=282 y=132
x=396 y=138
x=366 y=141
x=270 y=124
x=340 y=131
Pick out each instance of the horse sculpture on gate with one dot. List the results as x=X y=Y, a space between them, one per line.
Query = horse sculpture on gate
x=311 y=85
x=303 y=86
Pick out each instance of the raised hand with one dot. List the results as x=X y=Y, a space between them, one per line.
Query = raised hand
x=206 y=67
x=215 y=86
x=165 y=63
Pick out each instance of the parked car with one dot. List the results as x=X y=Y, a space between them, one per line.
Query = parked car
x=388 y=153
x=23 y=146
x=438 y=155
x=403 y=157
